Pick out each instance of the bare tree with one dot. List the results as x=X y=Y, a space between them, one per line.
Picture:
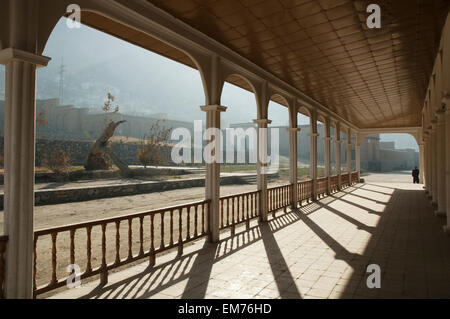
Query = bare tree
x=102 y=148
x=151 y=147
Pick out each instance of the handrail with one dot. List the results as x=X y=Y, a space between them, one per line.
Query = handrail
x=238 y=208
x=304 y=191
x=169 y=227
x=279 y=197
x=184 y=223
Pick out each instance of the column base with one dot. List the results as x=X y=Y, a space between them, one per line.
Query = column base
x=440 y=214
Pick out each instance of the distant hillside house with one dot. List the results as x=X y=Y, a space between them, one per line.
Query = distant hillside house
x=68 y=122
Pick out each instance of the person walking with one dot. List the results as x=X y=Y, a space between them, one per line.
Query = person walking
x=415 y=175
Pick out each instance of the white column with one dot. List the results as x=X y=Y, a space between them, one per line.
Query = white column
x=428 y=173
x=440 y=158
x=262 y=167
x=446 y=101
x=19 y=134
x=421 y=163
x=313 y=156
x=338 y=153
x=358 y=156
x=349 y=156
x=327 y=142
x=212 y=178
x=293 y=136
x=434 y=185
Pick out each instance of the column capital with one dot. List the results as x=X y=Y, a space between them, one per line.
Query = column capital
x=10 y=54
x=262 y=121
x=327 y=138
x=313 y=134
x=338 y=141
x=293 y=129
x=213 y=107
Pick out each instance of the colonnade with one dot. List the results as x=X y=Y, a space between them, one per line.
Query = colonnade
x=27 y=25
x=435 y=140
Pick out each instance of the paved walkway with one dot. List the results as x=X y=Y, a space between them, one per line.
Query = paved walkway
x=320 y=251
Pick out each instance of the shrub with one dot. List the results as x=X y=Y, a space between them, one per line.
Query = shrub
x=151 y=146
x=57 y=161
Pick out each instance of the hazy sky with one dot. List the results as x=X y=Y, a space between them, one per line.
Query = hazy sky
x=141 y=81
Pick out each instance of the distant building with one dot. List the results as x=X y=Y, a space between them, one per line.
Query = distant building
x=67 y=122
x=377 y=156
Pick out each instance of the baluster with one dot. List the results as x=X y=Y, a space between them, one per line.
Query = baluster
x=196 y=218
x=72 y=246
x=242 y=207
x=117 y=241
x=277 y=198
x=188 y=226
x=141 y=235
x=34 y=266
x=88 y=249
x=204 y=231
x=54 y=278
x=232 y=210
x=238 y=211
x=130 y=238
x=221 y=213
x=162 y=231
x=180 y=230
x=247 y=212
x=104 y=272
x=171 y=228
x=152 y=258
x=232 y=216
x=252 y=212
x=228 y=211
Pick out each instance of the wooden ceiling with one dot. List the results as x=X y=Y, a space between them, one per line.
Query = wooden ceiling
x=371 y=77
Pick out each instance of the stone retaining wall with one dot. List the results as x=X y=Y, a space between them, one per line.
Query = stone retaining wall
x=69 y=195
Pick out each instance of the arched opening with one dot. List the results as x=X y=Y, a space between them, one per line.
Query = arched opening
x=278 y=142
x=353 y=141
x=303 y=144
x=333 y=149
x=321 y=147
x=389 y=157
x=95 y=79
x=240 y=135
x=344 y=142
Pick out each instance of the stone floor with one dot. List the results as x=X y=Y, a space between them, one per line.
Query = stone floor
x=319 y=251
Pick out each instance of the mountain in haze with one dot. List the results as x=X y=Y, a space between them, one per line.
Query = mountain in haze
x=142 y=82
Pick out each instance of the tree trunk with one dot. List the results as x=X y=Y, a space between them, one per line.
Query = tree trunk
x=96 y=159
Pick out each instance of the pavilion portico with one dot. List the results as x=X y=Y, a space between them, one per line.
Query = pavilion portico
x=25 y=26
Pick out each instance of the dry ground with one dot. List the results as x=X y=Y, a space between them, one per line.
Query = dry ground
x=70 y=213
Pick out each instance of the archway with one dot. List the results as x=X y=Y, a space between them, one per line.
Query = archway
x=321 y=130
x=392 y=154
x=278 y=135
x=240 y=133
x=149 y=90
x=303 y=146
